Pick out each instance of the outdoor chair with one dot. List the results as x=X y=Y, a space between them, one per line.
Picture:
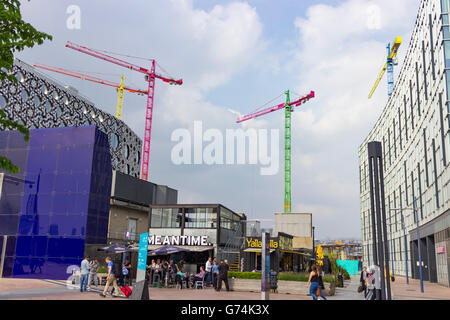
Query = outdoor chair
x=157 y=279
x=201 y=283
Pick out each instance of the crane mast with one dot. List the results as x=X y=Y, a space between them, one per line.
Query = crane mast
x=287 y=153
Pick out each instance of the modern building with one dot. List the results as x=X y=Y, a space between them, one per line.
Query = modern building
x=206 y=230
x=57 y=205
x=414 y=131
x=37 y=101
x=299 y=225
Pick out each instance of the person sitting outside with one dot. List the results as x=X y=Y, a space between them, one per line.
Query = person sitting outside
x=180 y=277
x=199 y=276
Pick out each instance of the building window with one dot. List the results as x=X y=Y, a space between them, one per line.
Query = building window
x=132 y=228
x=3 y=102
x=229 y=220
x=204 y=218
x=171 y=217
x=156 y=218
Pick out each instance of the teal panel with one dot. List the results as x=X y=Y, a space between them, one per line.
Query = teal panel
x=350 y=265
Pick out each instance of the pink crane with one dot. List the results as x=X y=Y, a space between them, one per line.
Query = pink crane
x=151 y=75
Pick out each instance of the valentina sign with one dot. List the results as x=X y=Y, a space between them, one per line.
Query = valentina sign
x=178 y=240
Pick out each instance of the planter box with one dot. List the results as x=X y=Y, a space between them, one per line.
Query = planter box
x=289 y=287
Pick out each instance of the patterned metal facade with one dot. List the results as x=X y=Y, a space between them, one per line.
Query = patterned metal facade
x=39 y=102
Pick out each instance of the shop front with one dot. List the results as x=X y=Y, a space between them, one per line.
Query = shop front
x=203 y=230
x=283 y=258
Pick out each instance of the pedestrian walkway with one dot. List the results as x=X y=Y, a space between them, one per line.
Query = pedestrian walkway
x=411 y=291
x=350 y=290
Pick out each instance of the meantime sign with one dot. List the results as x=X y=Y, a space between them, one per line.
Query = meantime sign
x=178 y=240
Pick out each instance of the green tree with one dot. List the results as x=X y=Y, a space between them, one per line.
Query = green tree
x=15 y=35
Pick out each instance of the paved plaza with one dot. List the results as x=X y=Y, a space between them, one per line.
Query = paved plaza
x=30 y=289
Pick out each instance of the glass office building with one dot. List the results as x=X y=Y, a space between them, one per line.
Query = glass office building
x=414 y=129
x=57 y=204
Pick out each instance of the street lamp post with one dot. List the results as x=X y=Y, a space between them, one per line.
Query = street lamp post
x=313 y=246
x=418 y=245
x=406 y=248
x=392 y=252
x=404 y=237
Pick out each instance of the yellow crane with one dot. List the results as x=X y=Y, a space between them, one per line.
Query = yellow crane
x=389 y=67
x=120 y=98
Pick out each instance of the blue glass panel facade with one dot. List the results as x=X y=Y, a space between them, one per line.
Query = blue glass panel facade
x=61 y=202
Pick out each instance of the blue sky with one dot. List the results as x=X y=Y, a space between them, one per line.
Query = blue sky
x=238 y=55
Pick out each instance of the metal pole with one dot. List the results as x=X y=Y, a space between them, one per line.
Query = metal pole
x=386 y=267
x=372 y=206
x=392 y=252
x=418 y=245
x=313 y=246
x=2 y=262
x=379 y=227
x=406 y=248
x=265 y=266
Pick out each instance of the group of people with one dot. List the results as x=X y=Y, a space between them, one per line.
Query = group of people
x=315 y=283
x=212 y=274
x=216 y=273
x=88 y=271
x=115 y=277
x=162 y=269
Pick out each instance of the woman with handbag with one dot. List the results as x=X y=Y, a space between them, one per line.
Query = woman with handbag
x=315 y=283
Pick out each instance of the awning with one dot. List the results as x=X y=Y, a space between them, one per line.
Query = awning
x=294 y=252
x=256 y=250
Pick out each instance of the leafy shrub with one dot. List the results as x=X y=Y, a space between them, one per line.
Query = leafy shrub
x=102 y=270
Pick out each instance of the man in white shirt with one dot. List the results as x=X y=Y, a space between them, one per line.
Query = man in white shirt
x=84 y=271
x=208 y=269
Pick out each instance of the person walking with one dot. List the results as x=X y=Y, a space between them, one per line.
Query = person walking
x=215 y=273
x=362 y=280
x=208 y=269
x=223 y=275
x=111 y=279
x=370 y=285
x=320 y=274
x=84 y=271
x=126 y=271
x=93 y=273
x=313 y=282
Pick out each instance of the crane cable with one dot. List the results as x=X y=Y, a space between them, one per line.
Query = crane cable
x=141 y=58
x=267 y=103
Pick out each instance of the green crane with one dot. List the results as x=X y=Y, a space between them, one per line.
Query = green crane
x=288 y=109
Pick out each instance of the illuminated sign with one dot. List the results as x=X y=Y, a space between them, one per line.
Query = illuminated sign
x=178 y=240
x=257 y=243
